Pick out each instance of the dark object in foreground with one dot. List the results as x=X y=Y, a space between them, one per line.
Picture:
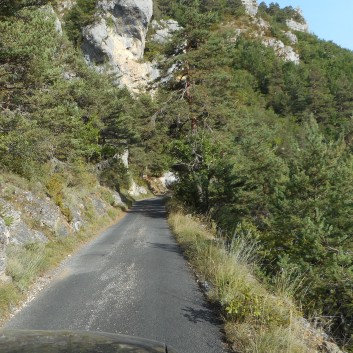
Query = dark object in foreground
x=18 y=341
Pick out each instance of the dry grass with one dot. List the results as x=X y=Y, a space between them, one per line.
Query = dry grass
x=9 y=297
x=256 y=320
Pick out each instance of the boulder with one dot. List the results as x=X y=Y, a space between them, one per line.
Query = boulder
x=168 y=179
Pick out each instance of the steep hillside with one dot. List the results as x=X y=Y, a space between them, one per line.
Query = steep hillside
x=259 y=123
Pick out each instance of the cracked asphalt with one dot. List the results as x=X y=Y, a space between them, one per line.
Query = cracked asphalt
x=131 y=280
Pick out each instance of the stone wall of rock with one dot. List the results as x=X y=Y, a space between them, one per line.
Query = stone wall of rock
x=32 y=217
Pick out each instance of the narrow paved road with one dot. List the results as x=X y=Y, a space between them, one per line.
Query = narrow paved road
x=132 y=280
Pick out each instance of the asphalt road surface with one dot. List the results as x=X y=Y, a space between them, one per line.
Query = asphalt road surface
x=131 y=280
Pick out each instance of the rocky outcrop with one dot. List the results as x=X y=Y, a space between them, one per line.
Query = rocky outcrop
x=259 y=29
x=251 y=7
x=17 y=231
x=297 y=26
x=292 y=37
x=46 y=214
x=118 y=38
x=137 y=190
x=164 y=30
x=65 y=5
x=168 y=179
x=285 y=52
x=162 y=184
x=27 y=217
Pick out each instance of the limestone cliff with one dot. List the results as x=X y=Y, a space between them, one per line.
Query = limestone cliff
x=117 y=37
x=116 y=40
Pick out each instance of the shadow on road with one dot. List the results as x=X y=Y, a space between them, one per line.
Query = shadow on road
x=167 y=247
x=153 y=208
x=200 y=315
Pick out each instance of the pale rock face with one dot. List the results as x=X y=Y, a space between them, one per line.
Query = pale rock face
x=297 y=26
x=118 y=201
x=168 y=179
x=118 y=38
x=17 y=232
x=251 y=7
x=124 y=158
x=292 y=37
x=46 y=214
x=283 y=51
x=130 y=11
x=136 y=190
x=164 y=30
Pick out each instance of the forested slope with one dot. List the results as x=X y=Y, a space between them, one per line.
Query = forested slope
x=263 y=145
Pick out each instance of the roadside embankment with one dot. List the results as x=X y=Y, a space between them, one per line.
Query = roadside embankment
x=257 y=317
x=42 y=222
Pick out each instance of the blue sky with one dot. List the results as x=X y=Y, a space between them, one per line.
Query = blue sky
x=329 y=20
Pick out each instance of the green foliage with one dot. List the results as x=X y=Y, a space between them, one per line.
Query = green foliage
x=8 y=219
x=259 y=140
x=116 y=176
x=54 y=107
x=81 y=15
x=12 y=7
x=278 y=14
x=55 y=187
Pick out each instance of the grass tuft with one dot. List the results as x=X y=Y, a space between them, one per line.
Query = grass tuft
x=9 y=297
